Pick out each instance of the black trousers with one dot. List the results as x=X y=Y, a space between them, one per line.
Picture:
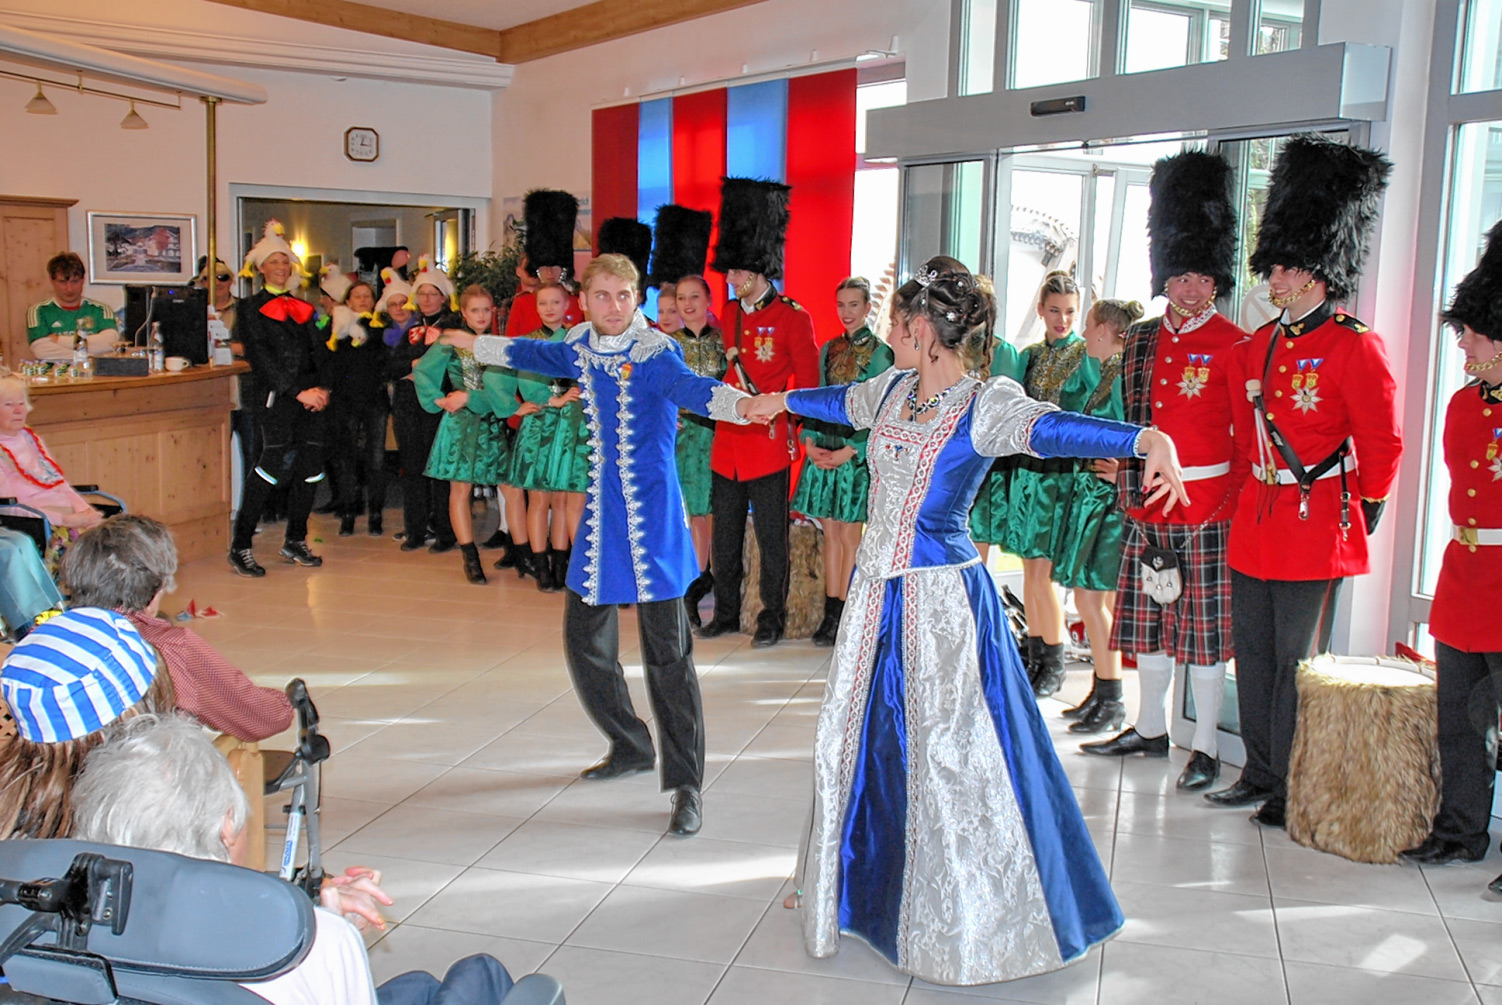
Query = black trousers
x=592 y=642
x=1469 y=689
x=424 y=499
x=1275 y=624
x=768 y=499
x=292 y=454
x=358 y=457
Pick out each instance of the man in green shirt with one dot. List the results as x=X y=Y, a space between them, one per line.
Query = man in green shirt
x=51 y=324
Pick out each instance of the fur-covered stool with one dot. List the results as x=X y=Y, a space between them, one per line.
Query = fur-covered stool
x=1363 y=778
x=805 y=581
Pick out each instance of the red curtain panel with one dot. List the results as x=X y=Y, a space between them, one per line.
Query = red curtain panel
x=613 y=164
x=821 y=170
x=699 y=151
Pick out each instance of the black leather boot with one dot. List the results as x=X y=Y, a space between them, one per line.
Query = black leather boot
x=472 y=569
x=1107 y=712
x=347 y=525
x=560 y=559
x=1083 y=708
x=1030 y=658
x=542 y=571
x=829 y=628
x=525 y=560
x=510 y=554
x=500 y=539
x=1050 y=669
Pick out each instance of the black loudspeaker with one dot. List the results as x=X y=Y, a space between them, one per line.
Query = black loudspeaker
x=183 y=313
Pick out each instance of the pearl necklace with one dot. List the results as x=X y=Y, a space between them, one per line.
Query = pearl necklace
x=917 y=408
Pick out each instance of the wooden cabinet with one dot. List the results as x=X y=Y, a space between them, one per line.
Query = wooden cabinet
x=31 y=232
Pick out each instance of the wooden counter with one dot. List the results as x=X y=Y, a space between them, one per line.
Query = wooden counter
x=161 y=443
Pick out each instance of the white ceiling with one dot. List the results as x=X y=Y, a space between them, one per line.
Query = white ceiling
x=492 y=14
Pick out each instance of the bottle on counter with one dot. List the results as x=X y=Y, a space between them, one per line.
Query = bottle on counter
x=157 y=351
x=82 y=366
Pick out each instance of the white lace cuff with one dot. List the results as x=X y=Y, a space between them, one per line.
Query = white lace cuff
x=493 y=350
x=722 y=404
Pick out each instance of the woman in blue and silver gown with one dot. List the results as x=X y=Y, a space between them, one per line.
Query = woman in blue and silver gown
x=944 y=832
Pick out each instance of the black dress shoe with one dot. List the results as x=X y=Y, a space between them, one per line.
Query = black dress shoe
x=688 y=812
x=499 y=539
x=1200 y=773
x=441 y=547
x=613 y=768
x=1440 y=851
x=412 y=543
x=1495 y=885
x=346 y=526
x=766 y=636
x=715 y=629
x=375 y=524
x=1241 y=794
x=1129 y=742
x=1271 y=813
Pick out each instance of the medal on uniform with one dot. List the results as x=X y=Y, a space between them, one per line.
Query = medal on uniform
x=1491 y=454
x=765 y=344
x=1305 y=394
x=1196 y=375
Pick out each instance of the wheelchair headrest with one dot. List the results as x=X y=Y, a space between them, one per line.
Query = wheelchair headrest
x=188 y=918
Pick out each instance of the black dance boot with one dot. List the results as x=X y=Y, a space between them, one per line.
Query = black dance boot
x=829 y=628
x=561 y=559
x=697 y=591
x=509 y=553
x=500 y=539
x=472 y=569
x=1108 y=712
x=1050 y=669
x=1030 y=658
x=542 y=571
x=347 y=525
x=1083 y=708
x=526 y=560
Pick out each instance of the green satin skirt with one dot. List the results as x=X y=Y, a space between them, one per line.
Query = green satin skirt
x=1088 y=552
x=695 y=438
x=1035 y=492
x=470 y=448
x=568 y=459
x=837 y=494
x=551 y=452
x=988 y=516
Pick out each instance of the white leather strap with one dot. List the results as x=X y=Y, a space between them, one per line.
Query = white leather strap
x=1478 y=535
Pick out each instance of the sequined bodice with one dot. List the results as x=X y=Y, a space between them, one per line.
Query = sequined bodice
x=846 y=359
x=1050 y=366
x=704 y=353
x=470 y=369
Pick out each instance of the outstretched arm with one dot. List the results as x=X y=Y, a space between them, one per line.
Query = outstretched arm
x=703 y=395
x=551 y=359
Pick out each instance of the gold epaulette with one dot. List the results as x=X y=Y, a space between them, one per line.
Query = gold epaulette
x=1347 y=321
x=795 y=305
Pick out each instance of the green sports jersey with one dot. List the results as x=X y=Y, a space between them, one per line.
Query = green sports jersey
x=47 y=318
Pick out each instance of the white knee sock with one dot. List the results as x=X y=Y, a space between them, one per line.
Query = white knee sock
x=1154 y=679
x=1209 y=688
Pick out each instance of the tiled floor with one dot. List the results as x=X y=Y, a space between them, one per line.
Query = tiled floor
x=458 y=743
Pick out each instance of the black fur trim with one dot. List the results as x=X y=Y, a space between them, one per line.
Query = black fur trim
x=623 y=235
x=1478 y=297
x=753 y=226
x=682 y=244
x=1191 y=224
x=549 y=216
x=1322 y=201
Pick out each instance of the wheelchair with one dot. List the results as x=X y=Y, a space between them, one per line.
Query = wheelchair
x=35 y=524
x=125 y=926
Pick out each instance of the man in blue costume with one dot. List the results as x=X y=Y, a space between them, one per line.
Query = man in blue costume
x=634 y=545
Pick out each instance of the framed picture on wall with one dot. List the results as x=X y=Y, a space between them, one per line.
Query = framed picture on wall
x=145 y=248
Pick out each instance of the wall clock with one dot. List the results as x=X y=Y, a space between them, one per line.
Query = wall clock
x=361 y=143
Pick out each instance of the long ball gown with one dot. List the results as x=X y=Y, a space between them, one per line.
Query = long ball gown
x=944 y=832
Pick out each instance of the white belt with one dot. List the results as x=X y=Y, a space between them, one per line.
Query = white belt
x=1478 y=535
x=1203 y=471
x=1286 y=477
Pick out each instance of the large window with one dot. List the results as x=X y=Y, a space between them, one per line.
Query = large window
x=977 y=46
x=873 y=238
x=1160 y=35
x=1280 y=26
x=1481 y=67
x=943 y=212
x=1054 y=41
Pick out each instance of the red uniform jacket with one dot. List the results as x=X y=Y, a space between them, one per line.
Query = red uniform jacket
x=776 y=343
x=524 y=319
x=1327 y=379
x=1184 y=389
x=1463 y=614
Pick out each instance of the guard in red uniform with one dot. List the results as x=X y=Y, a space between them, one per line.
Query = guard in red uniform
x=1467 y=632
x=549 y=216
x=1317 y=426
x=769 y=341
x=1173 y=596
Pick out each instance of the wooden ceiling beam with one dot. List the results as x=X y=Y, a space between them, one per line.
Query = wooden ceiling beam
x=602 y=21
x=381 y=21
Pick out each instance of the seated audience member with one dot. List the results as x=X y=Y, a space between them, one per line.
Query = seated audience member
x=127 y=564
x=161 y=785
x=68 y=684
x=52 y=324
x=26 y=587
x=29 y=475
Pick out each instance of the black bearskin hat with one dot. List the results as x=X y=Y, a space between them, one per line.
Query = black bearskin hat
x=753 y=226
x=1478 y=298
x=682 y=245
x=549 y=216
x=623 y=235
x=1321 y=204
x=1191 y=224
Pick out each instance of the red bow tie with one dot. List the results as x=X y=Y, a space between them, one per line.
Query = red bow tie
x=284 y=306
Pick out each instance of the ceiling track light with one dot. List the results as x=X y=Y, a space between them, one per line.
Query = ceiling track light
x=39 y=105
x=133 y=119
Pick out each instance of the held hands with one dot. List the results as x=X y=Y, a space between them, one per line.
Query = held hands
x=566 y=398
x=458 y=339
x=828 y=460
x=81 y=518
x=529 y=408
x=314 y=399
x=453 y=401
x=1162 y=476
x=1106 y=468
x=356 y=897
x=763 y=408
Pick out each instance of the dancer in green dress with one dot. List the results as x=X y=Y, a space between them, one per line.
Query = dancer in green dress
x=551 y=454
x=1033 y=498
x=984 y=356
x=1088 y=555
x=704 y=351
x=833 y=484
x=471 y=447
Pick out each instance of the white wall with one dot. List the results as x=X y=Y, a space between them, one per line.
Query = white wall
x=543 y=120
x=434 y=140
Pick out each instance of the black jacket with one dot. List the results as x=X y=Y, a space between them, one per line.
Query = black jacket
x=280 y=353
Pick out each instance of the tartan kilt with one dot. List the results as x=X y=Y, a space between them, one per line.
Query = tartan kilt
x=1196 y=628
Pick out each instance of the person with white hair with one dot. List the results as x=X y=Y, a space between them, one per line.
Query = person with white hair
x=160 y=784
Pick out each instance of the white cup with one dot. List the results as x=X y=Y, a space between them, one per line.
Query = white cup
x=177 y=363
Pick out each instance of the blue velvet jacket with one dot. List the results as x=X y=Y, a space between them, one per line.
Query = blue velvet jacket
x=634 y=544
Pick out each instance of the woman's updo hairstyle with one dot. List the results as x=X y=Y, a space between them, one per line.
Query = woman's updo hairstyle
x=945 y=293
x=1057 y=283
x=1117 y=315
